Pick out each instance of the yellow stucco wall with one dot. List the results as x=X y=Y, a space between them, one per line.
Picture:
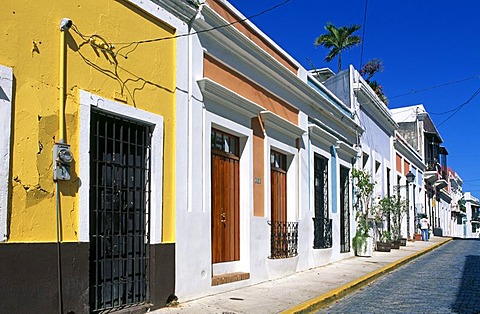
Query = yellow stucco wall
x=144 y=74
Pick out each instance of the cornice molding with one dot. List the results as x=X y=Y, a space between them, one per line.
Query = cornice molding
x=272 y=121
x=184 y=10
x=235 y=41
x=378 y=107
x=347 y=149
x=214 y=91
x=321 y=135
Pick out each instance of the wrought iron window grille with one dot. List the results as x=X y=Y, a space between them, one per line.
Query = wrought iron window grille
x=283 y=239
x=322 y=233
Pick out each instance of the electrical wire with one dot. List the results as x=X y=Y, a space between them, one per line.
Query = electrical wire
x=436 y=86
x=363 y=32
x=135 y=44
x=458 y=108
x=206 y=30
x=474 y=180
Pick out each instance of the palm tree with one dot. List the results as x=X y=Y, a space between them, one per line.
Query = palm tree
x=337 y=40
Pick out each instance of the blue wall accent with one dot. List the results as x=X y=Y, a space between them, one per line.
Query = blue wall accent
x=333 y=160
x=316 y=86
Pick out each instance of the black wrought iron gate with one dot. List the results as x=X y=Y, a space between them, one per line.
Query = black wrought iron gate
x=119 y=212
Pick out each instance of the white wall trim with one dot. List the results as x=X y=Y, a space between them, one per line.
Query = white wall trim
x=233 y=101
x=246 y=189
x=87 y=101
x=6 y=86
x=292 y=177
x=281 y=125
x=328 y=156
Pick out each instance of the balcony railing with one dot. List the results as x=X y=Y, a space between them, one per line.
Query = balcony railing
x=475 y=216
x=283 y=239
x=322 y=233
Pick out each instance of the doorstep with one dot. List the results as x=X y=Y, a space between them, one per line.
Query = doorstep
x=229 y=278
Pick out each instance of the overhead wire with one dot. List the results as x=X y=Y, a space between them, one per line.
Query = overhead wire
x=363 y=32
x=107 y=47
x=458 y=108
x=436 y=86
x=136 y=43
x=473 y=180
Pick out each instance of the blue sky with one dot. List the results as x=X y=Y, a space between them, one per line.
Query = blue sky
x=422 y=44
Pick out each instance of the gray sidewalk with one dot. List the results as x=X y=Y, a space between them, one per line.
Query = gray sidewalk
x=309 y=289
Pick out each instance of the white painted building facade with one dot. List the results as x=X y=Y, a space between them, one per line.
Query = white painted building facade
x=408 y=159
x=471 y=224
x=376 y=151
x=417 y=128
x=257 y=129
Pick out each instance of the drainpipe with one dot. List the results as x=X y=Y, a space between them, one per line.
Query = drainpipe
x=65 y=24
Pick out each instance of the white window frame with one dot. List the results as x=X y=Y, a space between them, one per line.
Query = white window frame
x=87 y=101
x=245 y=136
x=328 y=156
x=6 y=86
x=292 y=177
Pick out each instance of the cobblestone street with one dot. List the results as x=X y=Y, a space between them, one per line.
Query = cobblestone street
x=446 y=280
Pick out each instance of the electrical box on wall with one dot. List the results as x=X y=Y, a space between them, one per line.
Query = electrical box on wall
x=62 y=159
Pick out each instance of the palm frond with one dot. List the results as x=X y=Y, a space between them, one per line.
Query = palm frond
x=332 y=54
x=337 y=39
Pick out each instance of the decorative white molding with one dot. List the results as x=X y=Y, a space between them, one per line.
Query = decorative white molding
x=6 y=86
x=378 y=107
x=181 y=9
x=321 y=135
x=273 y=121
x=344 y=147
x=430 y=176
x=87 y=101
x=214 y=91
x=440 y=184
x=235 y=41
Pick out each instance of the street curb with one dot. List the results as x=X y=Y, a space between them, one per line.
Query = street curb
x=335 y=294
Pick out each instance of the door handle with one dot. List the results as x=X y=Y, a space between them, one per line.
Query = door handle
x=223 y=215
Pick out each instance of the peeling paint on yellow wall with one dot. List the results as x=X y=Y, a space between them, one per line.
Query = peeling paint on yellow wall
x=144 y=74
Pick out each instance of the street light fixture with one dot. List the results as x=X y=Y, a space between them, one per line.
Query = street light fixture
x=410 y=178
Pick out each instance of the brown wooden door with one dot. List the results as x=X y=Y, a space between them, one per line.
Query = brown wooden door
x=225 y=208
x=278 y=186
x=278 y=179
x=279 y=195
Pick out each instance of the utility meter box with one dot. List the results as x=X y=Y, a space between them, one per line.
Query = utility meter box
x=62 y=159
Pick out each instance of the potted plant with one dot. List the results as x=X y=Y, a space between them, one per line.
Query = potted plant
x=382 y=209
x=363 y=241
x=385 y=244
x=397 y=208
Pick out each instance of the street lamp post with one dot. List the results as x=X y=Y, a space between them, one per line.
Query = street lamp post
x=410 y=178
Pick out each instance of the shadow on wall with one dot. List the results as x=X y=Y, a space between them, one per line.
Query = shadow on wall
x=468 y=297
